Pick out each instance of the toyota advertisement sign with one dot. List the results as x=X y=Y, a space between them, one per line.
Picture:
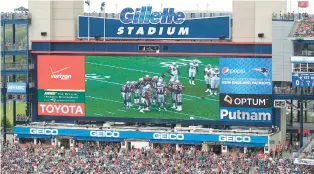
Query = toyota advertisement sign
x=61 y=85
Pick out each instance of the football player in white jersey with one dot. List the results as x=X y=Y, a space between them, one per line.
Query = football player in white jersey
x=193 y=70
x=214 y=83
x=208 y=75
x=174 y=72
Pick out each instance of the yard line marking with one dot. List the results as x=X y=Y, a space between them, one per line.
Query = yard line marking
x=135 y=70
x=181 y=113
x=103 y=114
x=121 y=110
x=122 y=84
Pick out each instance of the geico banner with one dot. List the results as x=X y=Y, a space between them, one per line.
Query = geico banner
x=246 y=100
x=246 y=114
x=141 y=135
x=145 y=23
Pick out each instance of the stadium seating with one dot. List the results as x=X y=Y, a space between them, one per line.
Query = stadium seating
x=305 y=27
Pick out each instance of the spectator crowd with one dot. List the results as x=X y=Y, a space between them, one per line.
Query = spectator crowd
x=109 y=159
x=305 y=27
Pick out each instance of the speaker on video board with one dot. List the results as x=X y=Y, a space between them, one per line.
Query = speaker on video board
x=260 y=35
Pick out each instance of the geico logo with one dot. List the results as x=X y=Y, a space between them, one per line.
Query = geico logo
x=238 y=115
x=44 y=131
x=245 y=139
x=165 y=136
x=104 y=134
x=64 y=109
x=250 y=101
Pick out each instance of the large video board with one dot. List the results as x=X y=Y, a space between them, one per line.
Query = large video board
x=141 y=87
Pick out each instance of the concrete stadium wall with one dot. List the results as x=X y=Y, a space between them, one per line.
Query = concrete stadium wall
x=251 y=17
x=57 y=18
x=282 y=50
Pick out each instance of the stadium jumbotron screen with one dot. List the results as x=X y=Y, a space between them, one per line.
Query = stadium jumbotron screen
x=143 y=87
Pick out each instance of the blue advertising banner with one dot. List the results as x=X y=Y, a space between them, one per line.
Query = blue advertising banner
x=170 y=136
x=246 y=114
x=16 y=87
x=303 y=79
x=245 y=75
x=143 y=23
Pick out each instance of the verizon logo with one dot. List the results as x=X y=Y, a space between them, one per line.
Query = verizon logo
x=58 y=74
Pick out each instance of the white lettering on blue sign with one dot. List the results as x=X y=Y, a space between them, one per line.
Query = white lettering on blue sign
x=237 y=139
x=145 y=15
x=16 y=87
x=43 y=131
x=166 y=136
x=109 y=134
x=238 y=115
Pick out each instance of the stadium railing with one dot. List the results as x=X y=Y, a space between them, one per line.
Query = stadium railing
x=306 y=146
x=17 y=46
x=303 y=52
x=287 y=90
x=12 y=16
x=15 y=66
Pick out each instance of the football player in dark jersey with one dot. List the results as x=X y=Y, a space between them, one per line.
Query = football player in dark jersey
x=137 y=89
x=178 y=88
x=161 y=96
x=170 y=88
x=126 y=92
x=147 y=80
x=154 y=82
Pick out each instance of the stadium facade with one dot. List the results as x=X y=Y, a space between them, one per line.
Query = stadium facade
x=75 y=76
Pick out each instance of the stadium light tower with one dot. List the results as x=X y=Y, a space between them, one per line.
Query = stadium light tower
x=102 y=8
x=88 y=25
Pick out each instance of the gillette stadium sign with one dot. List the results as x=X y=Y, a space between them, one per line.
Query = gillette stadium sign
x=147 y=23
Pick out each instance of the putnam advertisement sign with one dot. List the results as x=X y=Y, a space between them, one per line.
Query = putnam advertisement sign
x=145 y=23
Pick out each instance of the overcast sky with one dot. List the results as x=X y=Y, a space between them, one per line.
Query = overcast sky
x=113 y=6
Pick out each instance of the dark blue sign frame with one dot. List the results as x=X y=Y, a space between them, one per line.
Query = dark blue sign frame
x=198 y=28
